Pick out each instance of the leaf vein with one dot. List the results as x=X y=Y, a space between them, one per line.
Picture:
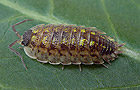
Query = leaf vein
x=60 y=82
x=109 y=19
x=97 y=79
x=32 y=14
x=5 y=32
x=120 y=87
x=52 y=7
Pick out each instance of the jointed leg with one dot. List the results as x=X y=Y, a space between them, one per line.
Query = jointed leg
x=21 y=48
x=63 y=67
x=17 y=53
x=13 y=26
x=80 y=67
x=102 y=64
x=109 y=62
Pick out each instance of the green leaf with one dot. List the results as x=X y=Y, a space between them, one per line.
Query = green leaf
x=118 y=18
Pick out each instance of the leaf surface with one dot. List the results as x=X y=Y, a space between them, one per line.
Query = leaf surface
x=120 y=19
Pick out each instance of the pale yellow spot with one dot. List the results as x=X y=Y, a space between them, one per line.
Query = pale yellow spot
x=82 y=41
x=66 y=30
x=46 y=29
x=35 y=31
x=74 y=29
x=110 y=49
x=73 y=40
x=34 y=38
x=92 y=43
x=101 y=45
x=111 y=39
x=83 y=30
x=96 y=43
x=102 y=37
x=54 y=39
x=55 y=29
x=104 y=47
x=64 y=40
x=93 y=33
x=44 y=39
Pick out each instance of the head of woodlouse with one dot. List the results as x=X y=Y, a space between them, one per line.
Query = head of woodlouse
x=26 y=38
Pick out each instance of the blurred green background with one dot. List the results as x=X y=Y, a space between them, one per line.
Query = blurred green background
x=120 y=19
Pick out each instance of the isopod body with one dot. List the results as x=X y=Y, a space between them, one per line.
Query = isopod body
x=67 y=44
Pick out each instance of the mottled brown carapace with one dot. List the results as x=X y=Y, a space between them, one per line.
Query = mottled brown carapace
x=67 y=44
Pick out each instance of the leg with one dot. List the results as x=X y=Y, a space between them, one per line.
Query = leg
x=109 y=62
x=80 y=68
x=63 y=67
x=105 y=66
x=21 y=48
x=102 y=64
x=17 y=53
x=13 y=26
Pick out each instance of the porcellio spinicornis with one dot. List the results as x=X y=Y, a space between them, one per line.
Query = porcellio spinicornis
x=67 y=44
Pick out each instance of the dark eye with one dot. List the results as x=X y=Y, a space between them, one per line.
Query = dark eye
x=27 y=37
x=25 y=43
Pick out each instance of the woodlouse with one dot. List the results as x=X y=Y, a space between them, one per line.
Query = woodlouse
x=66 y=44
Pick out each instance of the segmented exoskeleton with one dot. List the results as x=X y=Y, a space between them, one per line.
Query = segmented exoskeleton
x=67 y=44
